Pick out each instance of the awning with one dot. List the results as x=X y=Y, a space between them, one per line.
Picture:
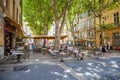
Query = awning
x=43 y=37
x=16 y=25
x=86 y=40
x=81 y=40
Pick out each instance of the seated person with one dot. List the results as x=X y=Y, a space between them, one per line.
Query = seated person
x=12 y=51
x=52 y=51
x=75 y=52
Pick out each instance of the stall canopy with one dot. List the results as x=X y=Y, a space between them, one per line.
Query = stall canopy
x=86 y=40
x=44 y=37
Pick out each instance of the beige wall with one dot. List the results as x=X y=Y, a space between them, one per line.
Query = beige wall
x=1 y=36
x=109 y=34
x=109 y=16
x=13 y=9
x=1 y=26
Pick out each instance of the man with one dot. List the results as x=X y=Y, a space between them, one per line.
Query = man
x=103 y=49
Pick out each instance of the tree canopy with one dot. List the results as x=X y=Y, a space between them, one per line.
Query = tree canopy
x=38 y=14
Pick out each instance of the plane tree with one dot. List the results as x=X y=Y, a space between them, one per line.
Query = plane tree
x=38 y=14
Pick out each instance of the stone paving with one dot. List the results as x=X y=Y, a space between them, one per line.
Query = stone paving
x=96 y=70
x=36 y=72
x=45 y=67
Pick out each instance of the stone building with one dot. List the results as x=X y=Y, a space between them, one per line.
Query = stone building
x=10 y=24
x=89 y=34
x=111 y=36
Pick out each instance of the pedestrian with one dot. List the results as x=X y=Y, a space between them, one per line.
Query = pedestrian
x=12 y=52
x=8 y=50
x=70 y=50
x=75 y=52
x=65 y=49
x=108 y=48
x=26 y=51
x=60 y=48
x=52 y=52
x=103 y=49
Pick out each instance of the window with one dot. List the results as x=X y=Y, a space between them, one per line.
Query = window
x=116 y=18
x=116 y=39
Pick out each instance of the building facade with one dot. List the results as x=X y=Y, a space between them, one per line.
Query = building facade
x=10 y=22
x=89 y=34
x=111 y=36
x=85 y=31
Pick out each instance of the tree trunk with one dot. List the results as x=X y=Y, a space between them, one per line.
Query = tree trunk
x=100 y=22
x=45 y=32
x=59 y=21
x=59 y=28
x=57 y=34
x=44 y=43
x=57 y=39
x=95 y=45
x=102 y=33
x=95 y=32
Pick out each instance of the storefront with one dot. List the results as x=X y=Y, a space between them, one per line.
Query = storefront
x=111 y=37
x=12 y=31
x=9 y=36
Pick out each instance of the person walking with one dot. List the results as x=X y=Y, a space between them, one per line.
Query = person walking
x=26 y=51
x=103 y=50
